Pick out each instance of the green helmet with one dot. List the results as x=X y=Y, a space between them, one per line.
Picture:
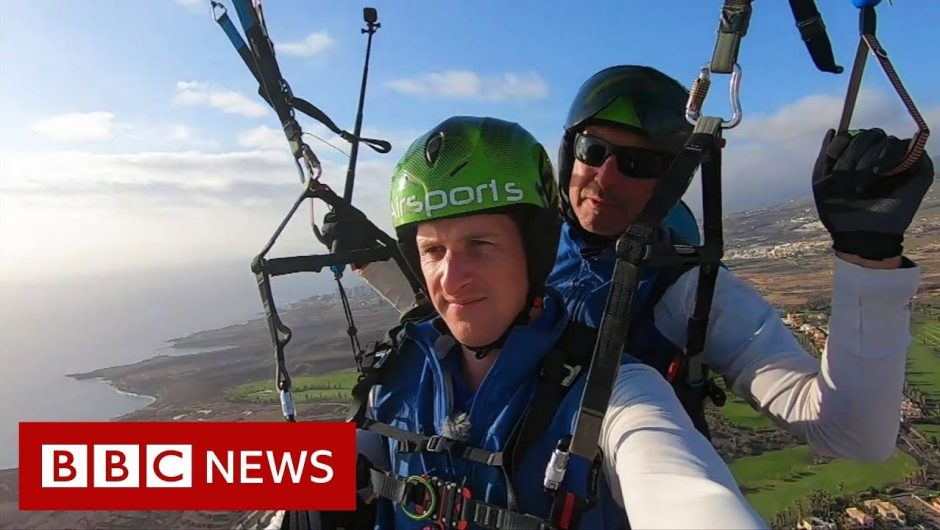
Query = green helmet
x=468 y=165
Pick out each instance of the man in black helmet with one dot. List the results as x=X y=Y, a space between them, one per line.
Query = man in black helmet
x=624 y=127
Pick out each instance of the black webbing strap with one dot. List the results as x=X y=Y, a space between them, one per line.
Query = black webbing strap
x=735 y=18
x=559 y=370
x=813 y=32
x=418 y=443
x=410 y=442
x=264 y=268
x=379 y=146
x=631 y=248
x=710 y=254
x=449 y=504
x=690 y=378
x=259 y=58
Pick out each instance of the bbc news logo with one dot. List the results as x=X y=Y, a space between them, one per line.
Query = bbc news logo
x=187 y=466
x=170 y=466
x=116 y=466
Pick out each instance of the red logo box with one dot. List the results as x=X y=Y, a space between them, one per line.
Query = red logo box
x=187 y=466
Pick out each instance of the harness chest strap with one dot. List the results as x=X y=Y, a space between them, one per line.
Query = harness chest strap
x=413 y=442
x=559 y=370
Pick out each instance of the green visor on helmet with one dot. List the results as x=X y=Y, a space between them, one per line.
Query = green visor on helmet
x=469 y=165
x=639 y=97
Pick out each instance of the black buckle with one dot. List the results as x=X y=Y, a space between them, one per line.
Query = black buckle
x=440 y=502
x=632 y=245
x=716 y=394
x=439 y=444
x=811 y=28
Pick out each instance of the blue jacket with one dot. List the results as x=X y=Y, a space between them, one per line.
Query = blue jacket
x=417 y=394
x=582 y=277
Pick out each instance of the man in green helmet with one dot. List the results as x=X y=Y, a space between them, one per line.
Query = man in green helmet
x=623 y=129
x=451 y=430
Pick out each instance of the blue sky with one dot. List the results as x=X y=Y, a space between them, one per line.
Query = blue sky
x=131 y=134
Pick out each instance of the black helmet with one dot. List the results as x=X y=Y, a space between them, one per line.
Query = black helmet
x=639 y=98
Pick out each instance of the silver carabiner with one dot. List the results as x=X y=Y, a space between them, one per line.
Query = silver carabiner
x=693 y=109
x=734 y=94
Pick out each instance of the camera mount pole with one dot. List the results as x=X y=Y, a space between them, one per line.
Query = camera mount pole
x=370 y=16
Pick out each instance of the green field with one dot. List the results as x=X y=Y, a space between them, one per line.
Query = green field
x=738 y=412
x=928 y=430
x=334 y=386
x=923 y=361
x=775 y=480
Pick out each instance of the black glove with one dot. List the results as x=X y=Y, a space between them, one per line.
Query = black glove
x=865 y=211
x=344 y=233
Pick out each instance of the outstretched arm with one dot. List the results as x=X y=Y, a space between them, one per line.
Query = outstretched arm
x=663 y=470
x=846 y=404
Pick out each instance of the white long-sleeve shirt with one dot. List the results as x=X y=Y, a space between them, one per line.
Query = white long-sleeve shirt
x=665 y=473
x=845 y=404
x=661 y=470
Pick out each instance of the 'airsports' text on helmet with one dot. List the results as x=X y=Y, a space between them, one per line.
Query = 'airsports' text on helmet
x=470 y=165
x=639 y=98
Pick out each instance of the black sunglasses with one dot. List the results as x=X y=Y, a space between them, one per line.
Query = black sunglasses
x=633 y=162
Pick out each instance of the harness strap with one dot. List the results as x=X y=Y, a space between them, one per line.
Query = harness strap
x=414 y=443
x=631 y=249
x=271 y=84
x=560 y=367
x=689 y=374
x=449 y=504
x=813 y=31
x=711 y=252
x=735 y=18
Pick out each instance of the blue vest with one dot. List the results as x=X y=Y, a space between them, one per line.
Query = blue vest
x=417 y=394
x=583 y=280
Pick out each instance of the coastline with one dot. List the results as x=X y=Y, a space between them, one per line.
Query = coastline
x=128 y=393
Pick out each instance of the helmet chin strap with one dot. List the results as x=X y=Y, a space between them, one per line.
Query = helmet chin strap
x=521 y=319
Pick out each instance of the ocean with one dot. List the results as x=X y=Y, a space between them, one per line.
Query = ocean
x=81 y=323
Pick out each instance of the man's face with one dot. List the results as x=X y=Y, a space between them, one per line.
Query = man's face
x=475 y=270
x=604 y=200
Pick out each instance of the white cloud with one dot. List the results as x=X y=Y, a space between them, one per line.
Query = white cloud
x=76 y=127
x=314 y=44
x=196 y=93
x=316 y=136
x=514 y=86
x=193 y=6
x=449 y=84
x=178 y=133
x=769 y=158
x=138 y=210
x=189 y=177
x=464 y=84
x=169 y=174
x=262 y=137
